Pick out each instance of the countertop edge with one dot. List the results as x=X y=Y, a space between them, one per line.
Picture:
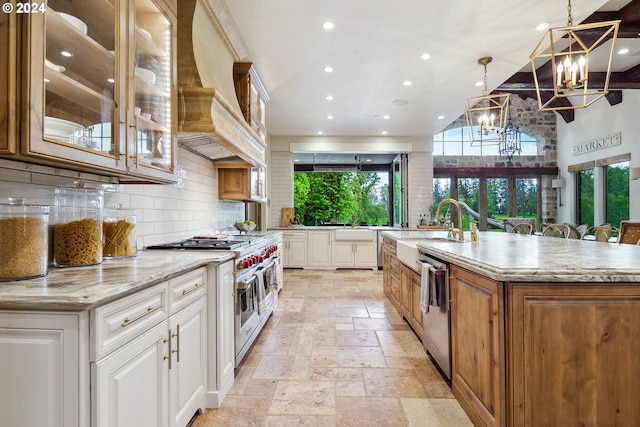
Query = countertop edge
x=111 y=280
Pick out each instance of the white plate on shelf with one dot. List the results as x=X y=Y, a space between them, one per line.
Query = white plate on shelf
x=146 y=75
x=63 y=130
x=58 y=68
x=75 y=22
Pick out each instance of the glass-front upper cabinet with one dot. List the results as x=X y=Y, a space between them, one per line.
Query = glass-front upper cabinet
x=149 y=140
x=101 y=93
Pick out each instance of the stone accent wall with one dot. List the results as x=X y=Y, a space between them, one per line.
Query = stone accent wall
x=538 y=124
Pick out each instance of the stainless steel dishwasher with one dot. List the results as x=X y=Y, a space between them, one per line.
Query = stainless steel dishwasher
x=435 y=321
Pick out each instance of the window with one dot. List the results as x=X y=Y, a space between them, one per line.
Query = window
x=616 y=192
x=497 y=199
x=491 y=195
x=469 y=193
x=455 y=142
x=527 y=197
x=584 y=197
x=341 y=197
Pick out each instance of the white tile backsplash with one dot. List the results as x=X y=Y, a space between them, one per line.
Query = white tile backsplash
x=164 y=212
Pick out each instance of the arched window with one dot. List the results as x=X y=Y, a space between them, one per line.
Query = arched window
x=455 y=142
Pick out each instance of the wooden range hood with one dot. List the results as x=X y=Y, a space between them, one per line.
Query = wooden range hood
x=210 y=121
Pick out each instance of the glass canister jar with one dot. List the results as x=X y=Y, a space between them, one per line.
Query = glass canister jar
x=77 y=229
x=23 y=240
x=119 y=231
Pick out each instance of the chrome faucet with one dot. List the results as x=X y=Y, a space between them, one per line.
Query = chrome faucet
x=454 y=233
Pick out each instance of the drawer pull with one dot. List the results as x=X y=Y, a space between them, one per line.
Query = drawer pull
x=150 y=310
x=168 y=340
x=177 y=350
x=189 y=290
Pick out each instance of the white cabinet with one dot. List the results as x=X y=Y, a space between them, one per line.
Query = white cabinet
x=354 y=253
x=131 y=385
x=295 y=249
x=149 y=353
x=319 y=248
x=365 y=254
x=188 y=363
x=221 y=333
x=41 y=376
x=342 y=254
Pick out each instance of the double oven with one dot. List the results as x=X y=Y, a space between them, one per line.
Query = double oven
x=258 y=278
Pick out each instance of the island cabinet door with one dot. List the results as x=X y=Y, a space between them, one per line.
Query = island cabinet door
x=477 y=349
x=575 y=355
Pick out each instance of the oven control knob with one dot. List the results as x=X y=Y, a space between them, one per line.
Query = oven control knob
x=260 y=259
x=245 y=263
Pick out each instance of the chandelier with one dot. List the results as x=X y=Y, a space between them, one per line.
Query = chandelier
x=511 y=143
x=486 y=114
x=561 y=59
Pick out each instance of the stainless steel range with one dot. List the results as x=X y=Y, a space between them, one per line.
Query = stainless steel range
x=258 y=278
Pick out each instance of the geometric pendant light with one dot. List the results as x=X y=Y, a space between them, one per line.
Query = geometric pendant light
x=561 y=61
x=487 y=114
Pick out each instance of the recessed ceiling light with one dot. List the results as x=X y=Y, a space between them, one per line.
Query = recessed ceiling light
x=384 y=132
x=425 y=56
x=406 y=83
x=543 y=26
x=328 y=25
x=440 y=117
x=329 y=98
x=479 y=83
x=111 y=80
x=329 y=117
x=368 y=160
x=296 y=160
x=47 y=80
x=328 y=69
x=386 y=116
x=66 y=53
x=623 y=51
x=399 y=102
x=320 y=133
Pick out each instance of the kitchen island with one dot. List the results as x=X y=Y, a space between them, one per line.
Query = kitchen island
x=544 y=331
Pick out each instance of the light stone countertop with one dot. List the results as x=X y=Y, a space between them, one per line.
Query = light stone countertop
x=81 y=288
x=332 y=227
x=532 y=258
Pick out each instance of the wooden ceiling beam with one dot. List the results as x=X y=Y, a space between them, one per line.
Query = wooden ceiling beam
x=524 y=85
x=628 y=14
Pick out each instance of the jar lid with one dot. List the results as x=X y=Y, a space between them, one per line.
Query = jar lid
x=16 y=205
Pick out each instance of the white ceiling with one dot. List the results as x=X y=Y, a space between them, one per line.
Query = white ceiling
x=376 y=46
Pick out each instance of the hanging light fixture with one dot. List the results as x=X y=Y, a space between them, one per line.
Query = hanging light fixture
x=486 y=114
x=511 y=144
x=561 y=59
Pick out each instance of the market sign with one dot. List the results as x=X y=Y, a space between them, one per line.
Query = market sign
x=597 y=143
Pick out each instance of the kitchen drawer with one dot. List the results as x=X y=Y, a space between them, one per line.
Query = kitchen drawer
x=119 y=322
x=395 y=266
x=186 y=288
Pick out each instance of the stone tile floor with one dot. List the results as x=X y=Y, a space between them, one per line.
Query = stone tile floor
x=336 y=353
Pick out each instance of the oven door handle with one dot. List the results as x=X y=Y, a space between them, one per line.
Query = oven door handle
x=246 y=283
x=268 y=266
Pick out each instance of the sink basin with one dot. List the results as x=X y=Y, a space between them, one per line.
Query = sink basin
x=408 y=254
x=354 y=234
